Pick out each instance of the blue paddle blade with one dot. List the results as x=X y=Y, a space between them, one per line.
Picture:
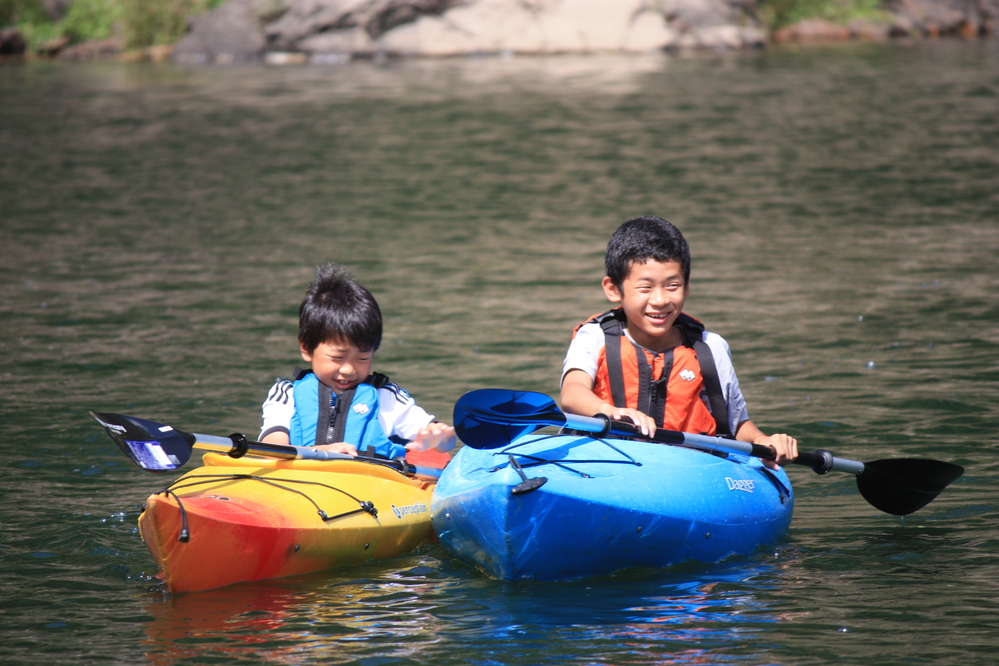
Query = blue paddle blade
x=152 y=446
x=491 y=418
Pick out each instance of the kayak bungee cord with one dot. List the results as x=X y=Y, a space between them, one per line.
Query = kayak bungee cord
x=630 y=460
x=543 y=461
x=185 y=533
x=528 y=484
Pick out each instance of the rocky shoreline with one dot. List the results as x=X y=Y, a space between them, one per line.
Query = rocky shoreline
x=301 y=31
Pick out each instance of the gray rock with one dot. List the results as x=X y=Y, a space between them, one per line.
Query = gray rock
x=336 y=30
x=305 y=18
x=725 y=37
x=353 y=41
x=231 y=32
x=541 y=26
x=56 y=9
x=989 y=10
x=812 y=31
x=98 y=49
x=966 y=18
x=11 y=42
x=686 y=15
x=935 y=17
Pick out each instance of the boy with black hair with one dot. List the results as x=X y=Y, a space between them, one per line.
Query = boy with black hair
x=340 y=405
x=649 y=362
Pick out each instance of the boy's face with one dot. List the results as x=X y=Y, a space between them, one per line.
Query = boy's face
x=652 y=297
x=339 y=365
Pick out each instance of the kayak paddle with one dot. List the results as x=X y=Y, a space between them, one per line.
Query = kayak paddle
x=492 y=418
x=157 y=447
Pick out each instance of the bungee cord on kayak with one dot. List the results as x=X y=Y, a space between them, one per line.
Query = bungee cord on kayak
x=527 y=485
x=185 y=533
x=545 y=461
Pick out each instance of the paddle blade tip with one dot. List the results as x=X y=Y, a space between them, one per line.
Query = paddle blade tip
x=152 y=446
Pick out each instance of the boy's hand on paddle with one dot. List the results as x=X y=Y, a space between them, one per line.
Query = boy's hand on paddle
x=785 y=446
x=338 y=447
x=645 y=423
x=435 y=435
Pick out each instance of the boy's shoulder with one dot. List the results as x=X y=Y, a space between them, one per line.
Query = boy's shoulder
x=385 y=385
x=612 y=318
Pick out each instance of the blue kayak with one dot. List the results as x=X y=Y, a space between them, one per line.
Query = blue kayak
x=557 y=507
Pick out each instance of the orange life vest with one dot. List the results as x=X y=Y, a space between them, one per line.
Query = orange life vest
x=667 y=386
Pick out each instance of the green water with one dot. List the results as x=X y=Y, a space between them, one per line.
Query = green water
x=158 y=226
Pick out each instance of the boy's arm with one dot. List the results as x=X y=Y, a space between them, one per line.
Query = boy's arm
x=277 y=411
x=399 y=415
x=276 y=437
x=577 y=397
x=280 y=437
x=784 y=445
x=435 y=435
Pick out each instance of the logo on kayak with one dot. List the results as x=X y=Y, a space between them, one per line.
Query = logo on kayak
x=361 y=409
x=745 y=485
x=687 y=375
x=410 y=510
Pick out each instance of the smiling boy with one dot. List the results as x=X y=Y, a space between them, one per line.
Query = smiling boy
x=340 y=405
x=649 y=362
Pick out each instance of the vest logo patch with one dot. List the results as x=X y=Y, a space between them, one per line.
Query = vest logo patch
x=361 y=409
x=745 y=485
x=687 y=375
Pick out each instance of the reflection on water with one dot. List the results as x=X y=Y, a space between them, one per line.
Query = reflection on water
x=159 y=226
x=424 y=613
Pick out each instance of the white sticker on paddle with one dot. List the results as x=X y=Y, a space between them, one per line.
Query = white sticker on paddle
x=151 y=455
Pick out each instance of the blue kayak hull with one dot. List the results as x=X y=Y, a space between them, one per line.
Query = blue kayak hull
x=606 y=505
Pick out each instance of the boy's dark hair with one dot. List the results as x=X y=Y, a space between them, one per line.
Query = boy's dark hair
x=643 y=238
x=336 y=308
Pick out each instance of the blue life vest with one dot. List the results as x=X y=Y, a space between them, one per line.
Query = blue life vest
x=323 y=417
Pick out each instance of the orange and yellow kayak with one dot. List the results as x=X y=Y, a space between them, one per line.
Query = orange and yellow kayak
x=254 y=518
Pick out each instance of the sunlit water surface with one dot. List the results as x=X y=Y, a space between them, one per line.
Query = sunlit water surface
x=158 y=226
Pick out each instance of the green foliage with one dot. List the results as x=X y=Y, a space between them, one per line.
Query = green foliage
x=779 y=13
x=13 y=12
x=152 y=22
x=140 y=23
x=90 y=19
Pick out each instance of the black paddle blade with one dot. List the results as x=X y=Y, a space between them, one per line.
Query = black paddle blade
x=903 y=485
x=491 y=418
x=154 y=447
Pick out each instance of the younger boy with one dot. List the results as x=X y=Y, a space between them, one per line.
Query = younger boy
x=340 y=405
x=647 y=361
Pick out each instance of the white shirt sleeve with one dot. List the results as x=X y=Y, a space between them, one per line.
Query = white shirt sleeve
x=737 y=412
x=584 y=351
x=399 y=415
x=278 y=408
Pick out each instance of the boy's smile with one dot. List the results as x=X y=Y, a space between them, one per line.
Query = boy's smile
x=652 y=297
x=339 y=365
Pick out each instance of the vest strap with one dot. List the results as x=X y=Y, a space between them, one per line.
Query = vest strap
x=613 y=332
x=709 y=372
